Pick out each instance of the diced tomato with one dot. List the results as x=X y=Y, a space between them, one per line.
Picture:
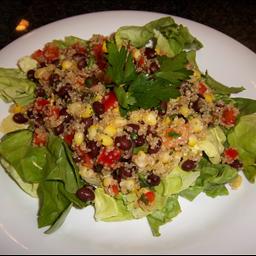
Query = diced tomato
x=109 y=158
x=202 y=88
x=40 y=139
x=115 y=189
x=141 y=62
x=109 y=101
x=38 y=55
x=229 y=116
x=51 y=53
x=69 y=138
x=231 y=153
x=97 y=50
x=150 y=196
x=41 y=102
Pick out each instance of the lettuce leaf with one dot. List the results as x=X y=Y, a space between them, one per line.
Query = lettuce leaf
x=245 y=106
x=15 y=87
x=212 y=180
x=164 y=215
x=244 y=140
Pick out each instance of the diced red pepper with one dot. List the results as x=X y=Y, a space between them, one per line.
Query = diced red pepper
x=51 y=52
x=41 y=102
x=115 y=189
x=69 y=138
x=202 y=88
x=109 y=157
x=99 y=56
x=141 y=62
x=40 y=139
x=109 y=101
x=150 y=196
x=229 y=116
x=38 y=55
x=231 y=153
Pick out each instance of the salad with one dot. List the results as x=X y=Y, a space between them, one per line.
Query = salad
x=125 y=123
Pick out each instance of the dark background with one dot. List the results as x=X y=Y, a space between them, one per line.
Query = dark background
x=234 y=18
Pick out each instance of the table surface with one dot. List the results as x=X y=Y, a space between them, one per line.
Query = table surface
x=234 y=18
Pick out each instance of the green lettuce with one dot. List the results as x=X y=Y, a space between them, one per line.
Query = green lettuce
x=244 y=140
x=47 y=172
x=69 y=41
x=15 y=87
x=212 y=145
x=245 y=106
x=164 y=215
x=170 y=37
x=212 y=180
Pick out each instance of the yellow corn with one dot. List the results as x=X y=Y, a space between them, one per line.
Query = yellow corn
x=116 y=110
x=92 y=131
x=108 y=181
x=196 y=125
x=106 y=140
x=128 y=184
x=75 y=108
x=150 y=118
x=197 y=74
x=208 y=97
x=184 y=110
x=165 y=157
x=119 y=122
x=192 y=140
x=67 y=64
x=104 y=47
x=16 y=108
x=78 y=138
x=166 y=121
x=136 y=54
x=236 y=183
x=87 y=112
x=98 y=97
x=110 y=130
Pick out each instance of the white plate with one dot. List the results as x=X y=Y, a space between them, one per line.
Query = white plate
x=224 y=225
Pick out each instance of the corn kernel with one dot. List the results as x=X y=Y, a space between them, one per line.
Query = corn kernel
x=165 y=157
x=119 y=122
x=128 y=184
x=87 y=112
x=106 y=140
x=110 y=130
x=208 y=97
x=236 y=183
x=16 y=108
x=136 y=54
x=192 y=140
x=78 y=138
x=140 y=159
x=150 y=118
x=116 y=110
x=104 y=47
x=92 y=131
x=184 y=110
x=135 y=116
x=98 y=97
x=196 y=125
x=67 y=64
x=166 y=121
x=108 y=181
x=197 y=74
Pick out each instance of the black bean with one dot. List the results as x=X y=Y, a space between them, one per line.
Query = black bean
x=189 y=165
x=78 y=56
x=150 y=53
x=59 y=129
x=81 y=64
x=236 y=164
x=31 y=75
x=94 y=149
x=123 y=142
x=98 y=168
x=85 y=194
x=162 y=108
x=87 y=123
x=132 y=128
x=98 y=108
x=126 y=173
x=40 y=92
x=30 y=113
x=140 y=140
x=63 y=92
x=197 y=106
x=153 y=180
x=63 y=112
x=54 y=80
x=19 y=118
x=153 y=67
x=117 y=174
x=154 y=149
